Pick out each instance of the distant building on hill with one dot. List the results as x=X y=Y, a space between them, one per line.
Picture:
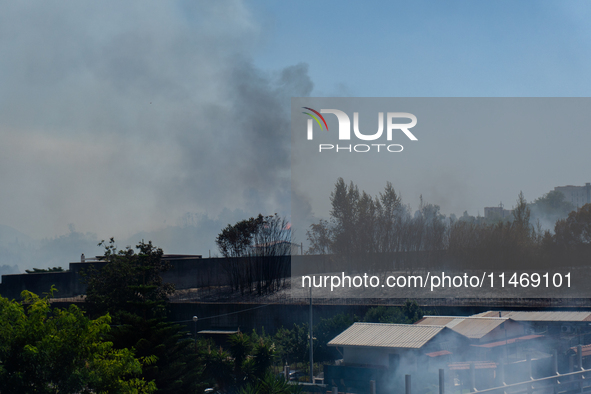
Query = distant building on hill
x=576 y=195
x=497 y=212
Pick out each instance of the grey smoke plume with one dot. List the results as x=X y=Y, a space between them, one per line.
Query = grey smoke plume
x=122 y=117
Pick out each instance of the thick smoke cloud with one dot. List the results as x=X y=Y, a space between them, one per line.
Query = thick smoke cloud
x=122 y=117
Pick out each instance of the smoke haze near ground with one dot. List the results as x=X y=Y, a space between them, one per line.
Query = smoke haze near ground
x=122 y=118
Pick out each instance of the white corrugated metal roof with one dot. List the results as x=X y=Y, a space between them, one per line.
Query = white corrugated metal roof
x=543 y=316
x=386 y=335
x=487 y=314
x=448 y=321
x=471 y=327
x=549 y=316
x=477 y=328
x=436 y=320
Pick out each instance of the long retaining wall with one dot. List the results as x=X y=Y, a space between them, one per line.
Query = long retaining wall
x=186 y=273
x=192 y=272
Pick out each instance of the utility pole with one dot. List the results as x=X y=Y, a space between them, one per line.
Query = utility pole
x=195 y=318
x=311 y=341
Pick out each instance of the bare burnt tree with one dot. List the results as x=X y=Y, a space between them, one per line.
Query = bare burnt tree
x=234 y=243
x=257 y=253
x=269 y=254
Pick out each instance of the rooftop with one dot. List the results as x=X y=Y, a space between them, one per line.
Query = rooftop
x=509 y=341
x=471 y=327
x=541 y=316
x=387 y=335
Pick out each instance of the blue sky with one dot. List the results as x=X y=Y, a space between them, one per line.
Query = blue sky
x=431 y=48
x=120 y=118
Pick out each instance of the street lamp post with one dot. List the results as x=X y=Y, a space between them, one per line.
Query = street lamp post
x=195 y=318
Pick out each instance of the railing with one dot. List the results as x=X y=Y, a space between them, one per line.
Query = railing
x=558 y=383
x=565 y=383
x=74 y=299
x=573 y=382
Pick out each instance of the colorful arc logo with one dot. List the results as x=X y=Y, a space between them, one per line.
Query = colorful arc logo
x=315 y=118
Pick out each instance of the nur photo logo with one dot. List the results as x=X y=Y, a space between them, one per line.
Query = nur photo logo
x=392 y=120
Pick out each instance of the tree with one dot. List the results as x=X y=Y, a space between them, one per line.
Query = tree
x=129 y=282
x=410 y=313
x=325 y=331
x=270 y=384
x=244 y=365
x=131 y=288
x=41 y=270
x=257 y=252
x=344 y=213
x=521 y=215
x=361 y=224
x=320 y=237
x=176 y=367
x=550 y=208
x=293 y=344
x=575 y=230
x=433 y=227
x=236 y=240
x=45 y=350
x=389 y=222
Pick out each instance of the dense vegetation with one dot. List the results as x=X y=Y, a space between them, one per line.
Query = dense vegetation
x=51 y=350
x=362 y=224
x=131 y=290
x=293 y=344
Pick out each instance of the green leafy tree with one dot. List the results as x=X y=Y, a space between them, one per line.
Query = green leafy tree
x=325 y=331
x=131 y=288
x=246 y=362
x=45 y=350
x=270 y=384
x=129 y=282
x=293 y=343
x=409 y=313
x=177 y=368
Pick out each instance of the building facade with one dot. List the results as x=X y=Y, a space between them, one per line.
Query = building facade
x=576 y=195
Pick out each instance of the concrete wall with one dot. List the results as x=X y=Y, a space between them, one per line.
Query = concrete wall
x=12 y=285
x=186 y=273
x=190 y=272
x=68 y=283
